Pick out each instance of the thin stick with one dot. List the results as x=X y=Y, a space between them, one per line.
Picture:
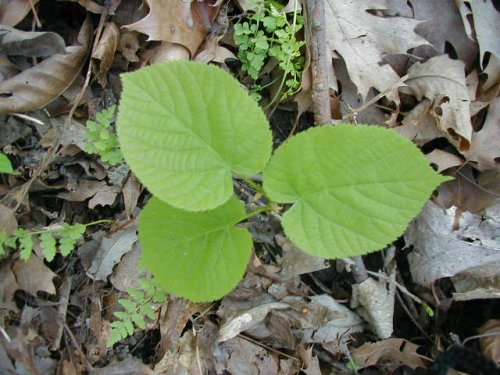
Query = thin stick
x=316 y=37
x=376 y=98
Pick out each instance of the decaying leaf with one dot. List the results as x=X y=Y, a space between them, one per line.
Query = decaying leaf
x=13 y=11
x=30 y=43
x=447 y=28
x=490 y=345
x=442 y=80
x=440 y=251
x=105 y=50
x=34 y=276
x=484 y=147
x=486 y=25
x=351 y=29
x=393 y=352
x=374 y=301
x=37 y=86
x=176 y=21
x=110 y=251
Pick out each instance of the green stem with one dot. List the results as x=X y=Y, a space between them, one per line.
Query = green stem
x=253 y=185
x=58 y=229
x=266 y=208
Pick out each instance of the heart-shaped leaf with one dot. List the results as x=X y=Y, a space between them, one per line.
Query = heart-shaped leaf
x=197 y=255
x=185 y=127
x=354 y=189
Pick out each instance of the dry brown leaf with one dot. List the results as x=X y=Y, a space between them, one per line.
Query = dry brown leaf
x=34 y=276
x=129 y=45
x=445 y=28
x=177 y=21
x=8 y=287
x=13 y=11
x=444 y=160
x=169 y=52
x=212 y=51
x=37 y=86
x=442 y=80
x=490 y=345
x=362 y=39
x=110 y=251
x=397 y=352
x=485 y=145
x=105 y=50
x=486 y=25
x=30 y=43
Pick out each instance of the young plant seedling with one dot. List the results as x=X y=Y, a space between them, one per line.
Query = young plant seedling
x=186 y=129
x=101 y=140
x=271 y=32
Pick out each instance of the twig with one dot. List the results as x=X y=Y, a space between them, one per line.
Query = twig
x=316 y=37
x=376 y=98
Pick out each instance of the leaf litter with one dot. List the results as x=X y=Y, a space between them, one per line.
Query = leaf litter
x=292 y=313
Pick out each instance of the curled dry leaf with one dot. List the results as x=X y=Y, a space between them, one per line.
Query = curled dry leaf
x=13 y=11
x=490 y=343
x=484 y=147
x=395 y=352
x=442 y=80
x=177 y=21
x=29 y=43
x=105 y=49
x=34 y=276
x=351 y=28
x=37 y=86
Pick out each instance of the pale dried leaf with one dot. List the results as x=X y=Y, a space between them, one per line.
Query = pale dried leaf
x=486 y=26
x=443 y=160
x=397 y=351
x=212 y=51
x=34 y=276
x=172 y=21
x=105 y=49
x=110 y=251
x=374 y=300
x=296 y=262
x=362 y=39
x=129 y=366
x=37 y=86
x=247 y=320
x=84 y=190
x=170 y=52
x=127 y=273
x=442 y=80
x=440 y=251
x=492 y=70
x=485 y=145
x=30 y=43
x=490 y=345
x=239 y=356
x=13 y=11
x=8 y=287
x=129 y=45
x=445 y=28
x=468 y=288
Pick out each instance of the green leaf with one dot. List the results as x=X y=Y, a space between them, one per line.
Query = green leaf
x=354 y=189
x=5 y=165
x=129 y=305
x=139 y=321
x=25 y=243
x=200 y=256
x=185 y=127
x=147 y=310
x=136 y=294
x=48 y=245
x=122 y=315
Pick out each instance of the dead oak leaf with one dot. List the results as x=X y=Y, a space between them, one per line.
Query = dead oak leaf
x=442 y=80
x=37 y=86
x=362 y=39
x=177 y=21
x=397 y=352
x=485 y=143
x=34 y=276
